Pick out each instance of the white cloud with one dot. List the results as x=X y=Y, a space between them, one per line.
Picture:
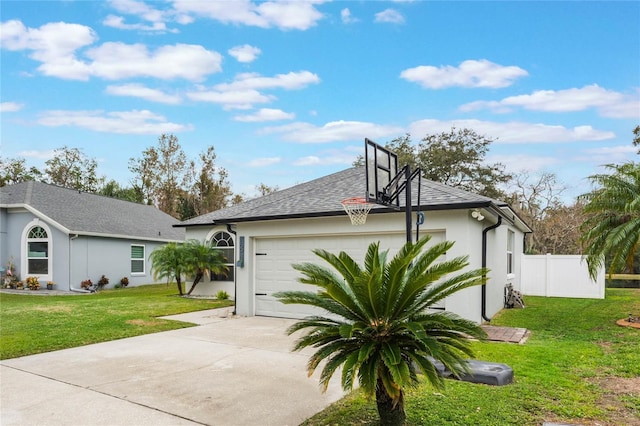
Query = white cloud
x=55 y=45
x=244 y=91
x=139 y=8
x=118 y=22
x=139 y=91
x=391 y=16
x=345 y=156
x=231 y=99
x=521 y=162
x=135 y=122
x=10 y=107
x=156 y=18
x=115 y=60
x=266 y=114
x=39 y=155
x=607 y=102
x=285 y=15
x=263 y=162
x=347 y=18
x=608 y=154
x=470 y=73
x=332 y=132
x=289 y=81
x=245 y=53
x=513 y=132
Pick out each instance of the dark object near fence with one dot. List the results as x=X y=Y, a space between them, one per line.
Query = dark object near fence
x=512 y=298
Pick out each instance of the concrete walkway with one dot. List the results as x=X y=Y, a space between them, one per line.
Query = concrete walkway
x=227 y=371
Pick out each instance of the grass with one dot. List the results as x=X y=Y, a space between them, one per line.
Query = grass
x=578 y=367
x=31 y=324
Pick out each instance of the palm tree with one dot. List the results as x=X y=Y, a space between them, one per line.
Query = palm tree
x=168 y=262
x=612 y=227
x=200 y=259
x=378 y=326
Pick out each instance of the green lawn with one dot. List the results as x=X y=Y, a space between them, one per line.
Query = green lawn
x=31 y=324
x=578 y=367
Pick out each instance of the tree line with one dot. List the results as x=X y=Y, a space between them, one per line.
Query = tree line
x=184 y=187
x=163 y=176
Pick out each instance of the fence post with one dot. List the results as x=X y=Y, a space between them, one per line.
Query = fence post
x=547 y=275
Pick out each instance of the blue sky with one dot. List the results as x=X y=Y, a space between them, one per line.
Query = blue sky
x=287 y=91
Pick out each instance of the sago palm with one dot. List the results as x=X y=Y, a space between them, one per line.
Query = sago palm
x=612 y=227
x=168 y=263
x=201 y=258
x=378 y=326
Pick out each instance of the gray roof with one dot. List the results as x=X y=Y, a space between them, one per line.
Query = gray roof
x=83 y=213
x=321 y=197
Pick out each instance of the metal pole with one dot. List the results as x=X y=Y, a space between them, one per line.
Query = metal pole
x=407 y=201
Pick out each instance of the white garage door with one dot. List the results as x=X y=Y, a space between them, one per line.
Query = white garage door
x=274 y=257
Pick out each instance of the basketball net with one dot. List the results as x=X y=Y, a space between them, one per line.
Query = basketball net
x=357 y=208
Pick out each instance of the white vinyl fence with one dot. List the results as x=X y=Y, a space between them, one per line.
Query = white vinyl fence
x=559 y=276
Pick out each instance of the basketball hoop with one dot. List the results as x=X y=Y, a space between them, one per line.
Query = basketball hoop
x=357 y=208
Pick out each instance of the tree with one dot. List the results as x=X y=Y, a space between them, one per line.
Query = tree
x=612 y=227
x=168 y=263
x=636 y=138
x=455 y=158
x=71 y=168
x=200 y=259
x=14 y=170
x=559 y=230
x=264 y=189
x=536 y=199
x=378 y=327
x=113 y=189
x=207 y=186
x=161 y=173
x=176 y=185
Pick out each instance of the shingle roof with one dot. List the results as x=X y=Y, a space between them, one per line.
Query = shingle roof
x=321 y=197
x=84 y=213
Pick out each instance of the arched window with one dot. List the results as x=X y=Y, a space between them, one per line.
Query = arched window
x=223 y=241
x=38 y=256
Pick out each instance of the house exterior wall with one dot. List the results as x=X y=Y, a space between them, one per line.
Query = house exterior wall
x=92 y=257
x=73 y=258
x=4 y=256
x=457 y=226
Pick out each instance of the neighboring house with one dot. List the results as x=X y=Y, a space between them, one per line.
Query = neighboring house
x=263 y=237
x=67 y=236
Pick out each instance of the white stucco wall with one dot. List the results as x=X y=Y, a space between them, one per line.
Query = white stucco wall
x=457 y=225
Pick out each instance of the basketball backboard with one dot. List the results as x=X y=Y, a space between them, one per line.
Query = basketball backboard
x=381 y=169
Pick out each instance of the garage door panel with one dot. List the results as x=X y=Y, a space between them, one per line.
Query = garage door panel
x=274 y=273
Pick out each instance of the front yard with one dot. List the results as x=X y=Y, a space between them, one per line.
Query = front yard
x=31 y=324
x=578 y=366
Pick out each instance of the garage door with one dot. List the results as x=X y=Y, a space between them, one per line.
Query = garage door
x=274 y=257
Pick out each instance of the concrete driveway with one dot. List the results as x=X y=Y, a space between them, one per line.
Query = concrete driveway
x=226 y=371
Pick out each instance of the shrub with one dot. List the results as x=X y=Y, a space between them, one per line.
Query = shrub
x=33 y=283
x=124 y=281
x=222 y=295
x=103 y=281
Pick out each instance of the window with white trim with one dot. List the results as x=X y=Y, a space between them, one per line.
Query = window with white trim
x=37 y=251
x=137 y=259
x=223 y=241
x=511 y=241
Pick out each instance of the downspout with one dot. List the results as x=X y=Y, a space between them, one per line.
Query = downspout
x=484 y=265
x=78 y=290
x=235 y=275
